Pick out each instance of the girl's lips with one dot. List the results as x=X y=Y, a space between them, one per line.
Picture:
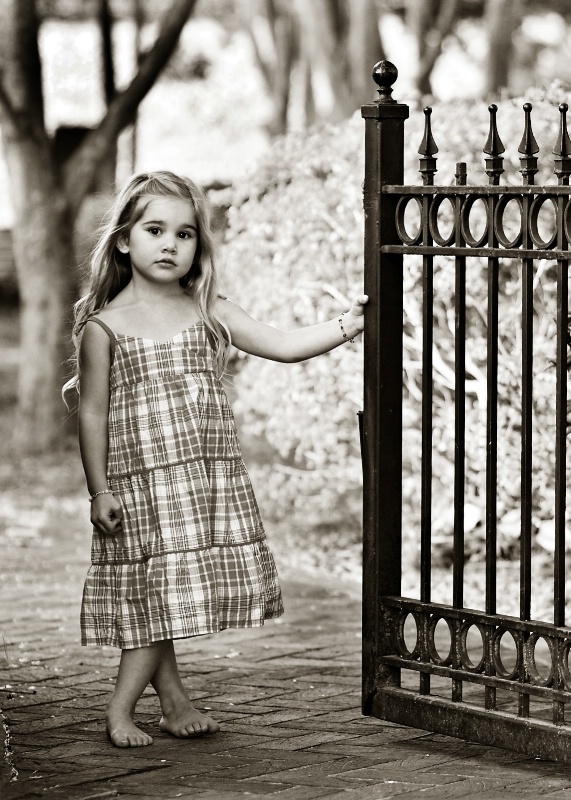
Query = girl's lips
x=166 y=261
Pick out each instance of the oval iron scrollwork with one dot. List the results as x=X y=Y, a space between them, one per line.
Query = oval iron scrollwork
x=434 y=225
x=469 y=238
x=534 y=211
x=404 y=235
x=499 y=228
x=465 y=659
x=530 y=660
x=499 y=665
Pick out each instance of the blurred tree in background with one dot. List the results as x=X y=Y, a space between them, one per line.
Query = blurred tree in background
x=327 y=47
x=313 y=58
x=434 y=23
x=48 y=187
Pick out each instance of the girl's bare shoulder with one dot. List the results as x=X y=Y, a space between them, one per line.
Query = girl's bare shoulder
x=114 y=312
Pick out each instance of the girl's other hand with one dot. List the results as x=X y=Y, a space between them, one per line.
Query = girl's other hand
x=106 y=514
x=356 y=312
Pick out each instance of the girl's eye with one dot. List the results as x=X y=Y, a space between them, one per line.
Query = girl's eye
x=185 y=235
x=154 y=231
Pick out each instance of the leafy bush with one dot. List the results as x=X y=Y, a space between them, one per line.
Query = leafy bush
x=294 y=257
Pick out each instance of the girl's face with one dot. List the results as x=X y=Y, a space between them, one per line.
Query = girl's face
x=162 y=242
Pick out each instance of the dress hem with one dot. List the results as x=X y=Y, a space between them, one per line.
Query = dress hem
x=249 y=624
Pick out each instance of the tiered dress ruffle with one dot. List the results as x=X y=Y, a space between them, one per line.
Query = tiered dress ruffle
x=192 y=557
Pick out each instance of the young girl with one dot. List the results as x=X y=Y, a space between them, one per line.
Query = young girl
x=178 y=549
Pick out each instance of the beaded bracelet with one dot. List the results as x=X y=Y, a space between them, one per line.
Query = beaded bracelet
x=347 y=338
x=103 y=491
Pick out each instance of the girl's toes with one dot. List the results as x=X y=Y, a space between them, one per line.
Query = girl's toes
x=141 y=741
x=188 y=724
x=193 y=729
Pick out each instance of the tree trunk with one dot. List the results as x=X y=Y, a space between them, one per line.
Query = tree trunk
x=364 y=49
x=502 y=19
x=431 y=24
x=420 y=15
x=105 y=179
x=324 y=39
x=46 y=197
x=46 y=279
x=274 y=19
x=83 y=165
x=41 y=233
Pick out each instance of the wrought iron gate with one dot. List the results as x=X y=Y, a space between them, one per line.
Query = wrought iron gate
x=388 y=655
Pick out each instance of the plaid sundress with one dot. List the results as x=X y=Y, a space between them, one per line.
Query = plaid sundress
x=192 y=557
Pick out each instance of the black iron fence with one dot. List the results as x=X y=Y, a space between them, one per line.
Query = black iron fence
x=389 y=654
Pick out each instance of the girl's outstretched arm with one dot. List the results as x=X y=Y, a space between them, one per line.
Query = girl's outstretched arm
x=263 y=340
x=94 y=367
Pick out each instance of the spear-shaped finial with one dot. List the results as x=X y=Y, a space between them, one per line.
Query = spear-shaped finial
x=427 y=151
x=562 y=149
x=528 y=147
x=494 y=148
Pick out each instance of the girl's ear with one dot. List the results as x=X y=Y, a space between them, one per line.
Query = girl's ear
x=123 y=245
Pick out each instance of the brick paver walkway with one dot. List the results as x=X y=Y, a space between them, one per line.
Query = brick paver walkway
x=287 y=696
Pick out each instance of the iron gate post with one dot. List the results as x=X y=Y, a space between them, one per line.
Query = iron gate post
x=382 y=416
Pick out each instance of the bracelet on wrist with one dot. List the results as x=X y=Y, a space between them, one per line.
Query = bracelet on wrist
x=347 y=338
x=96 y=494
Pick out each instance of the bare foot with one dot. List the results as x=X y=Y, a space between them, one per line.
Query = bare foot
x=123 y=732
x=187 y=721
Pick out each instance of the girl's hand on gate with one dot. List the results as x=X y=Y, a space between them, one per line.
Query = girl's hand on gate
x=106 y=514
x=355 y=318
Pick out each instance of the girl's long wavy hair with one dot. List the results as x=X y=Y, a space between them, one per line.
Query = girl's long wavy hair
x=110 y=270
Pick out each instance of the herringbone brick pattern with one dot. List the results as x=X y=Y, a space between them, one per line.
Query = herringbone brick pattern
x=288 y=698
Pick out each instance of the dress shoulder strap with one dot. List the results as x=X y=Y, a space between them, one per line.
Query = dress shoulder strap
x=108 y=331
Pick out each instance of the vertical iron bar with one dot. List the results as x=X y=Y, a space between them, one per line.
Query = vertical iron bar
x=563 y=171
x=492 y=432
x=561 y=424
x=459 y=417
x=492 y=438
x=526 y=436
x=560 y=461
x=561 y=434
x=426 y=451
x=460 y=438
x=526 y=451
x=494 y=169
x=427 y=152
x=426 y=454
x=382 y=428
x=529 y=166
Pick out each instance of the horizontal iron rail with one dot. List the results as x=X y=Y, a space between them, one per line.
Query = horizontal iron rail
x=468 y=676
x=476 y=252
x=481 y=191
x=466 y=721
x=477 y=617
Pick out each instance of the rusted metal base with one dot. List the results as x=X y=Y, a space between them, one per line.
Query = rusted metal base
x=532 y=737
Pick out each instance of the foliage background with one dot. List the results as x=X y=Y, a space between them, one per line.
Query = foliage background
x=293 y=256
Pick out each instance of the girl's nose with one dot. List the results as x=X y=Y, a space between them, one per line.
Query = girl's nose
x=170 y=245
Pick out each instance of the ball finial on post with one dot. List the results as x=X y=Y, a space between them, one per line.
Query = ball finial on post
x=385 y=74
